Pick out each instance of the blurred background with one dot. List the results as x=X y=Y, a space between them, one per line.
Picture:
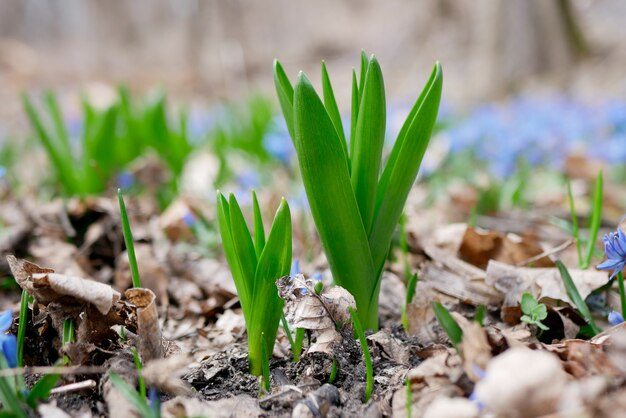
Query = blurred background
x=527 y=84
x=214 y=49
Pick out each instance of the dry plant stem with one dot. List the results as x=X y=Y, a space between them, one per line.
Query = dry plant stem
x=546 y=253
x=75 y=387
x=66 y=370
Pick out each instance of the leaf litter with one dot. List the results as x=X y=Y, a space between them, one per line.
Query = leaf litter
x=190 y=332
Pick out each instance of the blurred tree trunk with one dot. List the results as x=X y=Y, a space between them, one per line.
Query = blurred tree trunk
x=518 y=39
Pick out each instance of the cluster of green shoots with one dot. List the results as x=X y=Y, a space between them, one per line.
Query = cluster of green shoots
x=356 y=200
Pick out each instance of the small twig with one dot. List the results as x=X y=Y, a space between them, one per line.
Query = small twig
x=67 y=370
x=546 y=253
x=75 y=387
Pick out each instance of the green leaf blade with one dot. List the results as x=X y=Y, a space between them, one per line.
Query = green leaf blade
x=329 y=192
x=284 y=91
x=369 y=140
x=401 y=169
x=332 y=108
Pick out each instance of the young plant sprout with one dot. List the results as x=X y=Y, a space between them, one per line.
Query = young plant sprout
x=534 y=312
x=255 y=266
x=449 y=324
x=369 y=368
x=21 y=328
x=615 y=250
x=128 y=240
x=354 y=206
x=574 y=295
x=147 y=407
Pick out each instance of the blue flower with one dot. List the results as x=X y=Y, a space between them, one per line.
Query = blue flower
x=8 y=342
x=615 y=249
x=189 y=219
x=615 y=318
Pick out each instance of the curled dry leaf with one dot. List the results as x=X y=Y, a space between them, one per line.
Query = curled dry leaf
x=150 y=342
x=47 y=286
x=322 y=313
x=522 y=383
x=165 y=375
x=153 y=277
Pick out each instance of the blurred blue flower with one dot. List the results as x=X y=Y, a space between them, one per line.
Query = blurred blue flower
x=615 y=249
x=125 y=180
x=295 y=268
x=189 y=219
x=8 y=342
x=615 y=318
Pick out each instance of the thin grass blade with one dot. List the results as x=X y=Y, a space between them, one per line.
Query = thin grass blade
x=574 y=295
x=575 y=230
x=41 y=389
x=367 y=357
x=354 y=114
x=131 y=395
x=128 y=240
x=596 y=218
x=449 y=325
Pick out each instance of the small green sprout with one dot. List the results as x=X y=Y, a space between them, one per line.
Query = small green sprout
x=534 y=312
x=367 y=357
x=138 y=367
x=480 y=314
x=449 y=324
x=21 y=328
x=128 y=240
x=356 y=200
x=410 y=292
x=333 y=371
x=255 y=266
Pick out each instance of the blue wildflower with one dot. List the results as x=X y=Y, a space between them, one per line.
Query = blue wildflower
x=295 y=268
x=8 y=342
x=615 y=318
x=615 y=249
x=125 y=180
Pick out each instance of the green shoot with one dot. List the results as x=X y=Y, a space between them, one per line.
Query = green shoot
x=138 y=367
x=255 y=276
x=449 y=324
x=596 y=218
x=409 y=396
x=404 y=247
x=479 y=316
x=333 y=371
x=622 y=292
x=356 y=200
x=21 y=328
x=369 y=369
x=410 y=292
x=128 y=240
x=574 y=295
x=68 y=336
x=575 y=229
x=534 y=312
x=298 y=344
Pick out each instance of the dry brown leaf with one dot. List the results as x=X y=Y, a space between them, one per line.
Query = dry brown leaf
x=389 y=347
x=479 y=247
x=150 y=341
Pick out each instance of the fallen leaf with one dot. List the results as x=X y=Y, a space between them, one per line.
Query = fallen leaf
x=150 y=341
